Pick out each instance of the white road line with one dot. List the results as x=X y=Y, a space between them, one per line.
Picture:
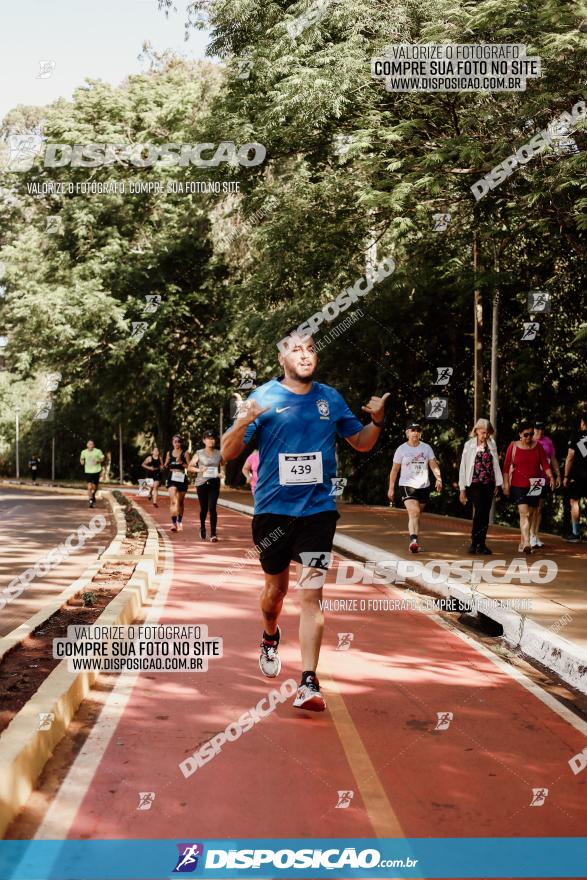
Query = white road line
x=61 y=814
x=10 y=509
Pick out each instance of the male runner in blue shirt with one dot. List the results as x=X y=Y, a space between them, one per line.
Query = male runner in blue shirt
x=296 y=421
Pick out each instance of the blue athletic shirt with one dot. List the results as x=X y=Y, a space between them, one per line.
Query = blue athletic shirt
x=302 y=428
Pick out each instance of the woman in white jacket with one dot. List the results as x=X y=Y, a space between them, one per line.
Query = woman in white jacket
x=479 y=478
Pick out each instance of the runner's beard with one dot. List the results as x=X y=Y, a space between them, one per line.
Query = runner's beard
x=306 y=380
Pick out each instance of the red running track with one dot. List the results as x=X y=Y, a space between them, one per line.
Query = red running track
x=377 y=738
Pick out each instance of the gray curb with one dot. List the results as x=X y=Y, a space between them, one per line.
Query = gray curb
x=24 y=748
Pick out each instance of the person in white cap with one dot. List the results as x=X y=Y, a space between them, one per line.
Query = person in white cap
x=412 y=462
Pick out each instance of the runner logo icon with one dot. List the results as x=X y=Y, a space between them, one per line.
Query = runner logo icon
x=187 y=860
x=338 y=486
x=436 y=407
x=344 y=641
x=46 y=719
x=443 y=375
x=146 y=799
x=315 y=559
x=531 y=329
x=444 y=719
x=344 y=799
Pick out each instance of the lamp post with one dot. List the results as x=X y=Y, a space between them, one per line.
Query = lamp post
x=17 y=415
x=120 y=457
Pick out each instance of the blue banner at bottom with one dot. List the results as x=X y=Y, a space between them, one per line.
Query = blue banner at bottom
x=338 y=858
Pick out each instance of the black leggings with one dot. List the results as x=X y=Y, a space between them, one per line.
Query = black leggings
x=481 y=494
x=208 y=494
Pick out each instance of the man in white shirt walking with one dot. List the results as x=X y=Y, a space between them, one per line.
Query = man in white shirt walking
x=412 y=461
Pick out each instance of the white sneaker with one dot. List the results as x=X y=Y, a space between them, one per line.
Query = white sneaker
x=534 y=541
x=269 y=660
x=309 y=696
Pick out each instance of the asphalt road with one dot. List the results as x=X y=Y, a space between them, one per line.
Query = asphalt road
x=33 y=522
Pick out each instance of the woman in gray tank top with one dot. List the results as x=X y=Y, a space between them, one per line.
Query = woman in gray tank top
x=207 y=464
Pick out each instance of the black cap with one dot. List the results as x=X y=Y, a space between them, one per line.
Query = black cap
x=209 y=434
x=416 y=425
x=539 y=424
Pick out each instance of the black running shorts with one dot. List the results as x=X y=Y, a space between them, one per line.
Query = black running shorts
x=181 y=487
x=410 y=494
x=519 y=495
x=93 y=478
x=577 y=489
x=280 y=539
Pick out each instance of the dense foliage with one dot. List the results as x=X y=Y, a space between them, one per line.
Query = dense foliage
x=353 y=173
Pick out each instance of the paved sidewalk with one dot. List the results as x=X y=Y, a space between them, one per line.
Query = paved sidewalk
x=560 y=606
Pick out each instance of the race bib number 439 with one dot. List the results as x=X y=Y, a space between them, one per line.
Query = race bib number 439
x=300 y=469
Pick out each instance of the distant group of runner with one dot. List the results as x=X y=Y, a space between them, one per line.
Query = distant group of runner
x=205 y=465
x=295 y=422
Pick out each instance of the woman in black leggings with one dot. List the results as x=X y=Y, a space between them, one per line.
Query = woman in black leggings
x=206 y=464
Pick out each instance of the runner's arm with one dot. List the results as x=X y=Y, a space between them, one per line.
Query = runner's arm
x=462 y=474
x=506 y=469
x=193 y=465
x=365 y=439
x=146 y=466
x=556 y=470
x=247 y=471
x=435 y=468
x=545 y=464
x=395 y=469
x=368 y=436
x=233 y=443
x=568 y=465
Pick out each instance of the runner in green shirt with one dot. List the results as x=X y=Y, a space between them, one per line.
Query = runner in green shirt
x=92 y=459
